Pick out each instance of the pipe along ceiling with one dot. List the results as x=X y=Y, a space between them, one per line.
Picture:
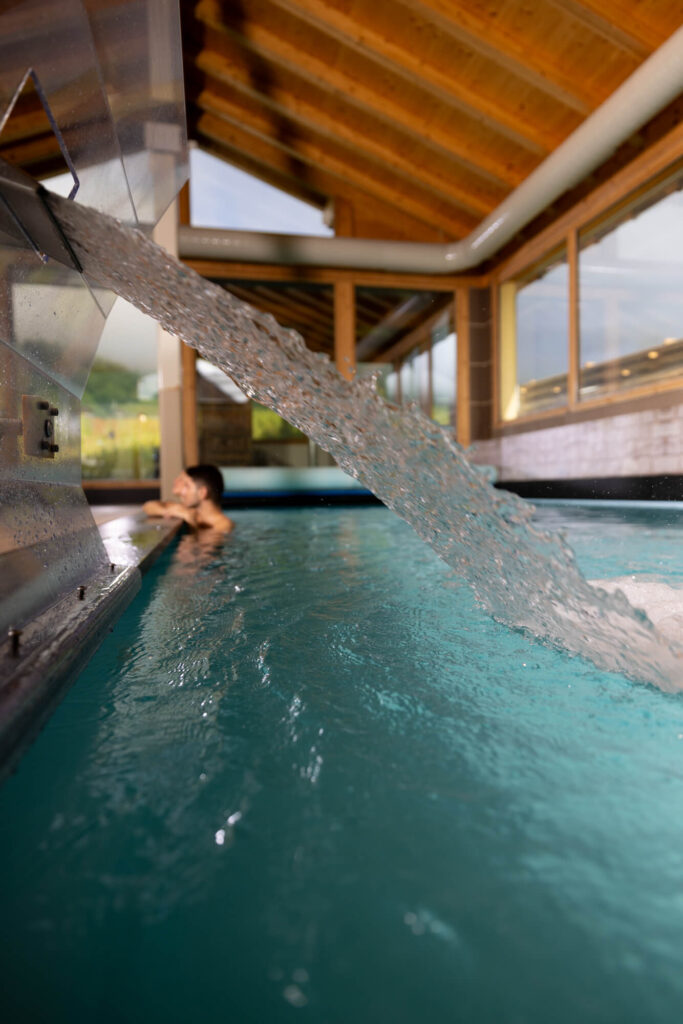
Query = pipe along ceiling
x=657 y=82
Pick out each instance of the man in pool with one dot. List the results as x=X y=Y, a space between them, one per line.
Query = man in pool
x=198 y=490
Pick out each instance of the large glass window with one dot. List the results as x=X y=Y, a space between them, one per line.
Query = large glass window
x=534 y=332
x=425 y=374
x=234 y=431
x=120 y=408
x=628 y=315
x=631 y=296
x=414 y=375
x=444 y=359
x=222 y=196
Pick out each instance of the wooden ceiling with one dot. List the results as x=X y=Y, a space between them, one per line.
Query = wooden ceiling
x=416 y=117
x=383 y=315
x=413 y=119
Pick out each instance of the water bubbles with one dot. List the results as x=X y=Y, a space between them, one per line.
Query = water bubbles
x=410 y=463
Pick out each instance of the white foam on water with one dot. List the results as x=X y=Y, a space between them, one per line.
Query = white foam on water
x=662 y=604
x=521 y=575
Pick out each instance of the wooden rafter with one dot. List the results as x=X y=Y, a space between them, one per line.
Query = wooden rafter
x=624 y=29
x=418 y=117
x=313 y=155
x=357 y=32
x=268 y=46
x=492 y=39
x=593 y=17
x=312 y=117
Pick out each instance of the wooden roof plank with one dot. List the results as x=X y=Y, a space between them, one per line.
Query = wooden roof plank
x=625 y=28
x=272 y=47
x=367 y=40
x=595 y=18
x=315 y=119
x=308 y=153
x=296 y=306
x=490 y=38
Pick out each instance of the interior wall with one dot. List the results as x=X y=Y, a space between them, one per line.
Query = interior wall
x=641 y=443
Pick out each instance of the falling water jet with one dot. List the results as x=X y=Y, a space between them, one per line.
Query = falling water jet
x=523 y=577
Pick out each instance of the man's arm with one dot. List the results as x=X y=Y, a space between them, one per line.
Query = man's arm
x=170 y=510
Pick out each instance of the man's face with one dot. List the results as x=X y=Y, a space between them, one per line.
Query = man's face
x=187 y=491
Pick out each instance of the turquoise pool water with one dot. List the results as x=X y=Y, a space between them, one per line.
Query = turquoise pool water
x=306 y=778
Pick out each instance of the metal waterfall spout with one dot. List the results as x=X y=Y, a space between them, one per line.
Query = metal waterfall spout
x=522 y=576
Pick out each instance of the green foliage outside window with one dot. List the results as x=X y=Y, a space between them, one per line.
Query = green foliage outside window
x=119 y=431
x=266 y=425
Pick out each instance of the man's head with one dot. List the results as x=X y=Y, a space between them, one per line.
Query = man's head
x=197 y=484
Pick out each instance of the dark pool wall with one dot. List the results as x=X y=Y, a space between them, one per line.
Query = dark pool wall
x=617 y=488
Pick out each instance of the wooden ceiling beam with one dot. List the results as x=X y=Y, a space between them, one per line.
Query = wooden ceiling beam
x=316 y=338
x=307 y=152
x=270 y=47
x=628 y=31
x=224 y=272
x=28 y=152
x=313 y=118
x=597 y=18
x=298 y=309
x=365 y=39
x=267 y=302
x=487 y=36
x=25 y=124
x=317 y=305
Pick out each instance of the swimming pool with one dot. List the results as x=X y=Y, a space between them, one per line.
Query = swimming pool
x=307 y=777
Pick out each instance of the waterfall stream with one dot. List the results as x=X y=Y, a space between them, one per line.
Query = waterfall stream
x=523 y=577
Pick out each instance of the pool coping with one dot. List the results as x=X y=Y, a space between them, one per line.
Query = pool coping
x=39 y=665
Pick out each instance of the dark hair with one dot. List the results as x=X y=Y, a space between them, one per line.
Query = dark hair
x=211 y=478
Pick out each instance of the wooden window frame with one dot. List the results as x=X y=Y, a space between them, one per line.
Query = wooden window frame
x=616 y=197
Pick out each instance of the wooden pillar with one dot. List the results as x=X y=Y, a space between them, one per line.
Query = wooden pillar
x=170 y=374
x=344 y=300
x=190 y=431
x=188 y=358
x=345 y=328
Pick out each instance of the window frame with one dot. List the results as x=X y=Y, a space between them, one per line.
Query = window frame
x=609 y=205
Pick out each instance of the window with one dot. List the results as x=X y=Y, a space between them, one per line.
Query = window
x=631 y=296
x=628 y=316
x=120 y=408
x=221 y=196
x=414 y=376
x=534 y=333
x=444 y=359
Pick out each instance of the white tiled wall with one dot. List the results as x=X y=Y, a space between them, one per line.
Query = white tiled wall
x=647 y=443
